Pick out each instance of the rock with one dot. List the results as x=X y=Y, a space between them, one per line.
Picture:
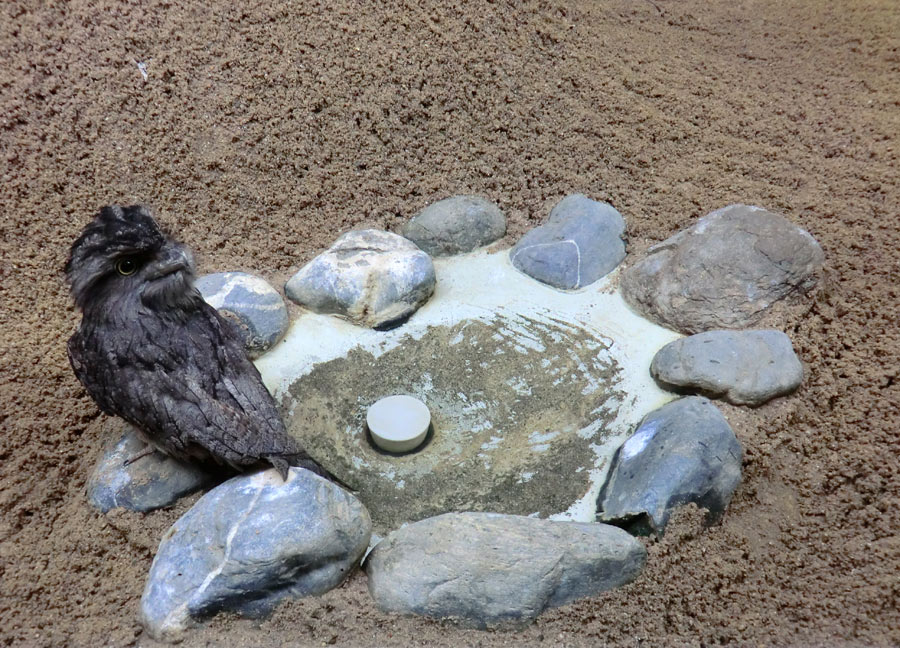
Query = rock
x=748 y=367
x=371 y=277
x=683 y=452
x=251 y=303
x=149 y=483
x=725 y=271
x=582 y=241
x=248 y=544
x=489 y=570
x=456 y=225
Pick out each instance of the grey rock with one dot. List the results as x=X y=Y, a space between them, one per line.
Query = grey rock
x=489 y=570
x=250 y=543
x=725 y=271
x=582 y=241
x=251 y=303
x=151 y=482
x=371 y=277
x=747 y=367
x=456 y=225
x=683 y=452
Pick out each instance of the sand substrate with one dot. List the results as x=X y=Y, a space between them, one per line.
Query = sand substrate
x=264 y=130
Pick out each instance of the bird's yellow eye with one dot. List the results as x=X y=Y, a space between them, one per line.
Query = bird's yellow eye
x=126 y=266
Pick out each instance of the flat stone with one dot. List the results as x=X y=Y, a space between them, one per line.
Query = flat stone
x=723 y=272
x=489 y=570
x=250 y=543
x=582 y=241
x=370 y=277
x=251 y=303
x=746 y=367
x=456 y=225
x=683 y=452
x=151 y=482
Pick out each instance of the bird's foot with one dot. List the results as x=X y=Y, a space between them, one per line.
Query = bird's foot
x=148 y=450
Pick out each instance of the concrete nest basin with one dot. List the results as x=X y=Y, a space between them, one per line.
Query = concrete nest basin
x=530 y=389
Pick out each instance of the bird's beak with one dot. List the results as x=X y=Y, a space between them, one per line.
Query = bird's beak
x=174 y=259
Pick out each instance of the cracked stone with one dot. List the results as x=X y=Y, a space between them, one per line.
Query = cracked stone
x=744 y=367
x=370 y=277
x=250 y=303
x=456 y=225
x=724 y=272
x=250 y=543
x=582 y=241
x=487 y=570
x=683 y=452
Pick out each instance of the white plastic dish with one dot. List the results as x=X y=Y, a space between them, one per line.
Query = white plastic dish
x=398 y=423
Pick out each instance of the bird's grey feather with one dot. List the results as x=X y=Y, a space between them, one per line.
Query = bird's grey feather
x=151 y=351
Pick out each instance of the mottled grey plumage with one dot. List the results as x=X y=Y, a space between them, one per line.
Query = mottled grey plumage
x=151 y=351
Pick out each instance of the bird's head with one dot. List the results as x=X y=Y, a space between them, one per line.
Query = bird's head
x=124 y=253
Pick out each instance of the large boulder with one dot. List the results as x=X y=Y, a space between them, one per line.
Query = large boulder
x=250 y=543
x=489 y=570
x=724 y=272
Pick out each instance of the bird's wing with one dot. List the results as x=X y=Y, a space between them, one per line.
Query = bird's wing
x=192 y=391
x=239 y=381
x=84 y=360
x=240 y=385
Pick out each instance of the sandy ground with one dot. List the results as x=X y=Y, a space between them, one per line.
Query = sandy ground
x=262 y=131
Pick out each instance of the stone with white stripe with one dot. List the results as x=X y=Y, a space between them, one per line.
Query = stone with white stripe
x=249 y=302
x=582 y=241
x=250 y=543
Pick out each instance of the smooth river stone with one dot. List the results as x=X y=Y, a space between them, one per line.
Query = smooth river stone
x=250 y=543
x=488 y=570
x=249 y=302
x=582 y=241
x=683 y=452
x=151 y=482
x=370 y=277
x=744 y=367
x=456 y=225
